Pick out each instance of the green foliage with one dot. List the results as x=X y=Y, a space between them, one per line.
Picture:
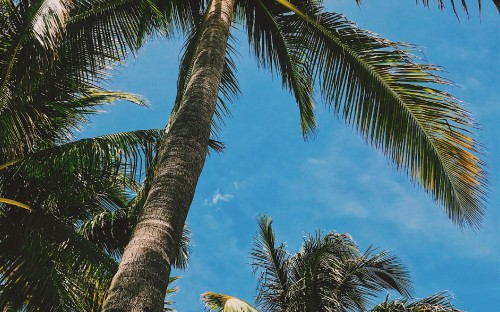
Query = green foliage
x=327 y=274
x=223 y=303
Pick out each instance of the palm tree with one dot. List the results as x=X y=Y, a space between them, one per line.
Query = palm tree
x=329 y=273
x=50 y=184
x=55 y=193
x=376 y=85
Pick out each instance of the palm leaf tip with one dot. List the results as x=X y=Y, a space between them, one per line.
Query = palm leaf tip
x=215 y=302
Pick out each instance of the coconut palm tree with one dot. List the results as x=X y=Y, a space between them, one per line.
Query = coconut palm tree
x=329 y=273
x=377 y=86
x=50 y=184
x=53 y=54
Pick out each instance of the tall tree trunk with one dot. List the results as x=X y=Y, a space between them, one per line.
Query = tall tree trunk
x=142 y=278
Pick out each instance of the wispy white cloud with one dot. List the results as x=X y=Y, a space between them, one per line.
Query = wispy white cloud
x=218 y=197
x=221 y=197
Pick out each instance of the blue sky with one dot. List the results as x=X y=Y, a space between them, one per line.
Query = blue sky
x=333 y=181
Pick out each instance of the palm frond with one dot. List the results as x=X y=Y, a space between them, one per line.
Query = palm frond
x=271 y=38
x=14 y=203
x=385 y=93
x=215 y=302
x=381 y=272
x=271 y=262
x=329 y=274
x=441 y=5
x=170 y=291
x=43 y=21
x=115 y=155
x=111 y=231
x=47 y=264
x=440 y=302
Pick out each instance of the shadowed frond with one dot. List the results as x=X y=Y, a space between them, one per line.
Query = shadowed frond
x=272 y=263
x=385 y=93
x=119 y=154
x=44 y=263
x=329 y=274
x=23 y=22
x=214 y=302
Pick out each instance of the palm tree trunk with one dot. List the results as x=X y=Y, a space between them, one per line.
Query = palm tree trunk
x=142 y=278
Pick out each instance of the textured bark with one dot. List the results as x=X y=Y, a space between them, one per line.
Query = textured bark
x=142 y=278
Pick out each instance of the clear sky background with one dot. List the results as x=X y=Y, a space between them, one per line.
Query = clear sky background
x=334 y=181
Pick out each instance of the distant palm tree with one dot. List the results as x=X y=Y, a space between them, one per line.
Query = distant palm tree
x=327 y=274
x=377 y=86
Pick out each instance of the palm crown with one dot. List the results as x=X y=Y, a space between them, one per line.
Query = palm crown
x=329 y=273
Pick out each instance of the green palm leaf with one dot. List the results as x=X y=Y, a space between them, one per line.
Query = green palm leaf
x=440 y=302
x=382 y=90
x=271 y=37
x=47 y=264
x=223 y=303
x=272 y=262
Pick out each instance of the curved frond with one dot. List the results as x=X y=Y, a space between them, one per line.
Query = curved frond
x=215 y=302
x=14 y=203
x=389 y=96
x=46 y=264
x=271 y=36
x=271 y=262
x=112 y=155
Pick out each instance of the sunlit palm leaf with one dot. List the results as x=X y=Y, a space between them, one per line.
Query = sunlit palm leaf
x=272 y=263
x=48 y=265
x=223 y=303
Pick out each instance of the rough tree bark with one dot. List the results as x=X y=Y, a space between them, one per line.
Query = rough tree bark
x=142 y=278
